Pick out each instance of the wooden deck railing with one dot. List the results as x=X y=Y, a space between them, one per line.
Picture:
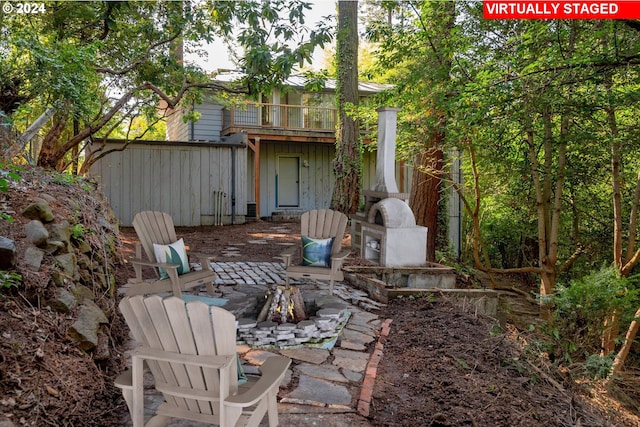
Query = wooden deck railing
x=280 y=116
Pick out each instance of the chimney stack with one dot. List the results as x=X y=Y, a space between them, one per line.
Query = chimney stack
x=386 y=155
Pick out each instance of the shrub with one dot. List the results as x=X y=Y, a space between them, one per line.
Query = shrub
x=582 y=307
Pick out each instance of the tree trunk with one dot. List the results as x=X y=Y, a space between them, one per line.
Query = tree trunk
x=21 y=141
x=50 y=154
x=632 y=255
x=618 y=362
x=425 y=193
x=427 y=177
x=548 y=200
x=347 y=163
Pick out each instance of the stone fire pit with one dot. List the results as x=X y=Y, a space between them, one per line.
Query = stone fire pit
x=318 y=326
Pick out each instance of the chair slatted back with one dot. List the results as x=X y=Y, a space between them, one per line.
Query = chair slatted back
x=191 y=328
x=154 y=227
x=324 y=223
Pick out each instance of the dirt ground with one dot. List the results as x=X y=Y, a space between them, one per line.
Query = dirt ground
x=443 y=366
x=215 y=241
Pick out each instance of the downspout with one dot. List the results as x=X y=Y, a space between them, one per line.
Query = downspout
x=192 y=125
x=233 y=185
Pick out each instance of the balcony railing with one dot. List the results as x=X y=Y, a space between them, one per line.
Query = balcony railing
x=280 y=116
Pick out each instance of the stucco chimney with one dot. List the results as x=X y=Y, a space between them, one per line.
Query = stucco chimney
x=386 y=155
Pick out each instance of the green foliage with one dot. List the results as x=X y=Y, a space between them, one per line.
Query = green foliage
x=78 y=231
x=503 y=77
x=582 y=307
x=273 y=38
x=8 y=173
x=315 y=81
x=68 y=180
x=597 y=366
x=102 y=64
x=9 y=279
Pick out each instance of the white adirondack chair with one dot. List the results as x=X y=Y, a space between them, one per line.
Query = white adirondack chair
x=319 y=224
x=157 y=228
x=190 y=349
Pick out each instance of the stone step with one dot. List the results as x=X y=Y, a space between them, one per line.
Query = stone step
x=286 y=215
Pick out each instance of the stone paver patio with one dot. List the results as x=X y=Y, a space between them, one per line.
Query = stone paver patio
x=324 y=387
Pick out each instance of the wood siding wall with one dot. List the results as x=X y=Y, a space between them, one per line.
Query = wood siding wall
x=316 y=180
x=176 y=178
x=177 y=129
x=209 y=125
x=369 y=173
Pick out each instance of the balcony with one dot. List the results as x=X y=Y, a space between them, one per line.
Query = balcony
x=285 y=120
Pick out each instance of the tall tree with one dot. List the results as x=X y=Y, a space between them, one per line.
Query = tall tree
x=437 y=22
x=348 y=160
x=521 y=94
x=417 y=41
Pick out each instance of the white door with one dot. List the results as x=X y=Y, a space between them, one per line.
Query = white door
x=288 y=182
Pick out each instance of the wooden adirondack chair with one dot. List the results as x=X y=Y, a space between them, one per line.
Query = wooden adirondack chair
x=319 y=225
x=157 y=227
x=190 y=349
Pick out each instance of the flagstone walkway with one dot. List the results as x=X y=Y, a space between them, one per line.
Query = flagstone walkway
x=324 y=387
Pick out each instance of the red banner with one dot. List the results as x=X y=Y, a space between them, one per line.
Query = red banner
x=501 y=9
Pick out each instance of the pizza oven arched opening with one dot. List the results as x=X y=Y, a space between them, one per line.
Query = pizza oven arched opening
x=392 y=213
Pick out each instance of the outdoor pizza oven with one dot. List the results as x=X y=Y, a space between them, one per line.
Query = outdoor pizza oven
x=391 y=238
x=386 y=231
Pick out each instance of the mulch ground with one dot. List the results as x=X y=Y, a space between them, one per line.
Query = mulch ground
x=443 y=366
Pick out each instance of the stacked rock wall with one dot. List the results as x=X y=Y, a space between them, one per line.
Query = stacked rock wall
x=62 y=243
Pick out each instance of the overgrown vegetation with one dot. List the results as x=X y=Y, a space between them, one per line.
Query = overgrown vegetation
x=580 y=310
x=543 y=115
x=77 y=73
x=8 y=173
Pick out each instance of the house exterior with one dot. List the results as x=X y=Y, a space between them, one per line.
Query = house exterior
x=271 y=159
x=291 y=144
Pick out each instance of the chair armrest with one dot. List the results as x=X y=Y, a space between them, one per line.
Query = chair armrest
x=205 y=260
x=153 y=264
x=338 y=259
x=272 y=370
x=138 y=263
x=340 y=256
x=287 y=254
x=203 y=361
x=124 y=380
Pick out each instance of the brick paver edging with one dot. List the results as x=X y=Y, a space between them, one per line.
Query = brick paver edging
x=366 y=392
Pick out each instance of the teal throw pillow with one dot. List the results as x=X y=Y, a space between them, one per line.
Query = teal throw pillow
x=316 y=252
x=175 y=253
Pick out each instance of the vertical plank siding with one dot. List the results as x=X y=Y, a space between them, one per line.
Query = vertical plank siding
x=368 y=170
x=209 y=125
x=173 y=178
x=316 y=179
x=177 y=129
